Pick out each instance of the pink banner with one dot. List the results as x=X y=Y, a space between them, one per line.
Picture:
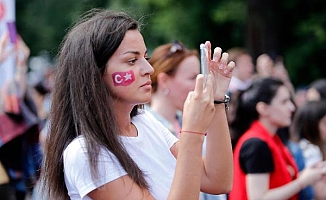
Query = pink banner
x=8 y=24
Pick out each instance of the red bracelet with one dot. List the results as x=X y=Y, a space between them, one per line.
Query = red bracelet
x=194 y=132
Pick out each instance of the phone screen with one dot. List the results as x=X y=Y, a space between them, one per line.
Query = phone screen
x=204 y=62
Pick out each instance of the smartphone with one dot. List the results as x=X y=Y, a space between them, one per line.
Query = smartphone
x=204 y=62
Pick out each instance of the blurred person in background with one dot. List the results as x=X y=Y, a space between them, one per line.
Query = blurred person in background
x=243 y=71
x=175 y=70
x=316 y=90
x=309 y=130
x=264 y=167
x=7 y=191
x=264 y=65
x=243 y=75
x=267 y=67
x=19 y=128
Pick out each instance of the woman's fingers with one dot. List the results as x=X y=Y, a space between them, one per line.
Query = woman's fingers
x=209 y=46
x=229 y=68
x=199 y=83
x=217 y=54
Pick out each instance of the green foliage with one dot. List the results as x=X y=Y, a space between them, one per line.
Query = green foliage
x=301 y=39
x=233 y=11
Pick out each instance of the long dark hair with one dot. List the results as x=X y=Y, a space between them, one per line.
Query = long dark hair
x=82 y=102
x=261 y=90
x=306 y=123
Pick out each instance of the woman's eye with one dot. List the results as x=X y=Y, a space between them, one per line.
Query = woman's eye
x=132 y=61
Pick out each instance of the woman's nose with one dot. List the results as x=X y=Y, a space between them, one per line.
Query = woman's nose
x=147 y=68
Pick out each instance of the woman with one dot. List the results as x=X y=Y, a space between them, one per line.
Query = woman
x=316 y=90
x=309 y=130
x=175 y=70
x=263 y=166
x=102 y=145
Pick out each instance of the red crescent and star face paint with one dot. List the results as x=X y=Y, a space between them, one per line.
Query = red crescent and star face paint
x=123 y=78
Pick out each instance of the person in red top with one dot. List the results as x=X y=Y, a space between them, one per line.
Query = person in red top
x=263 y=167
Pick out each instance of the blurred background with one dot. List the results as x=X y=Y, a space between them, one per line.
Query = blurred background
x=294 y=30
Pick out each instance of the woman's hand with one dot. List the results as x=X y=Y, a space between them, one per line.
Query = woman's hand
x=199 y=108
x=220 y=69
x=4 y=51
x=22 y=53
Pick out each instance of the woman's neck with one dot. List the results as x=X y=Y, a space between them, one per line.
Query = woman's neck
x=122 y=113
x=269 y=127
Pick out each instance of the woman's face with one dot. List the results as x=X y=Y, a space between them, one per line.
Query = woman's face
x=281 y=108
x=322 y=128
x=183 y=81
x=128 y=71
x=312 y=94
x=244 y=67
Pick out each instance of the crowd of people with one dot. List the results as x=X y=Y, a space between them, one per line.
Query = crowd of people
x=124 y=124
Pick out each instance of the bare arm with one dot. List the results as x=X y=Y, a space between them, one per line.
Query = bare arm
x=319 y=189
x=122 y=188
x=258 y=185
x=217 y=172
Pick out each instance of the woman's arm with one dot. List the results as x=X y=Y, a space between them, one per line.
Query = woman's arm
x=217 y=172
x=319 y=189
x=123 y=188
x=258 y=185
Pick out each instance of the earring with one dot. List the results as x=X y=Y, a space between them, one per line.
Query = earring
x=166 y=92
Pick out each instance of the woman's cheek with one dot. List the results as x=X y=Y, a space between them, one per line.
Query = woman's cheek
x=123 y=78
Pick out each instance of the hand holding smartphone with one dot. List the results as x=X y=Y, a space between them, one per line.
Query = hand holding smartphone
x=204 y=62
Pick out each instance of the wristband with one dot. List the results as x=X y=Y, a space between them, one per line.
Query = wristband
x=194 y=132
x=226 y=101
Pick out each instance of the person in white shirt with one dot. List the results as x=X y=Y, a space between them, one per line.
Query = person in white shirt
x=103 y=145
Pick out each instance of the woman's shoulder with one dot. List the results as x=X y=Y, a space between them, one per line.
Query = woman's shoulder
x=75 y=146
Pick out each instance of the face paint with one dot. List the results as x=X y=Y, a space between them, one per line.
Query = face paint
x=123 y=78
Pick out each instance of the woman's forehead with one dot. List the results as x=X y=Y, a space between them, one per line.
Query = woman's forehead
x=132 y=42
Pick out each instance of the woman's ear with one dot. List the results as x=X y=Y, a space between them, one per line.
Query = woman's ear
x=162 y=79
x=261 y=108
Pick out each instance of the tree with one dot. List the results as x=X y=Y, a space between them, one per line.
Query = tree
x=293 y=29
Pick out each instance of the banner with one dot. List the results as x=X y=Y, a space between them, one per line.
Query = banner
x=8 y=24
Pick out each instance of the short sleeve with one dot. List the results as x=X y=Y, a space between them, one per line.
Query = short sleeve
x=256 y=157
x=77 y=171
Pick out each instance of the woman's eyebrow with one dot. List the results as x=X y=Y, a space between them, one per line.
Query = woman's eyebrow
x=133 y=52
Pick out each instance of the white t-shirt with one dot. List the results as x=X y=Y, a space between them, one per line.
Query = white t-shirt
x=150 y=150
x=311 y=152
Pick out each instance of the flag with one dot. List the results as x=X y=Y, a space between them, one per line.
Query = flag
x=8 y=24
x=123 y=78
